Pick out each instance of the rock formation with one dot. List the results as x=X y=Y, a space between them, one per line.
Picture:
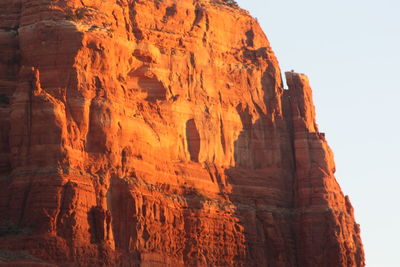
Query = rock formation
x=158 y=133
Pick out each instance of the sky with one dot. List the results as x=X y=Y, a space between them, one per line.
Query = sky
x=350 y=52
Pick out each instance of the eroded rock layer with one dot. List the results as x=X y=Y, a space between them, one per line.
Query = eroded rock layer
x=158 y=133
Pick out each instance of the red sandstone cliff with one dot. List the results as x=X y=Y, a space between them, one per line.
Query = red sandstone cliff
x=158 y=133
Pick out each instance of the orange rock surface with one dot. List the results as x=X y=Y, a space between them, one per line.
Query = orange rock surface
x=158 y=133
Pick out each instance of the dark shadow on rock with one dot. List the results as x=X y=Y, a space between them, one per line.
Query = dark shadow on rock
x=262 y=190
x=100 y=224
x=193 y=140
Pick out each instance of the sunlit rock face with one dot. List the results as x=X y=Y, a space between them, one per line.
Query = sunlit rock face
x=158 y=133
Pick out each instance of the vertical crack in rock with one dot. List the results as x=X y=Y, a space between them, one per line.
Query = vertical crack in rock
x=222 y=133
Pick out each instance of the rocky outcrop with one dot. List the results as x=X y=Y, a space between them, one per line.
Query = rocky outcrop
x=158 y=133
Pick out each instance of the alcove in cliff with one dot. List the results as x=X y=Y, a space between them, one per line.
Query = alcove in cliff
x=193 y=140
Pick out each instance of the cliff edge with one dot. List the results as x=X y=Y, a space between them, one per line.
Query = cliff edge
x=158 y=133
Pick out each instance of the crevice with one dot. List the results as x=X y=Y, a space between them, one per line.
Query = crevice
x=222 y=133
x=207 y=166
x=199 y=14
x=99 y=221
x=152 y=128
x=124 y=214
x=4 y=100
x=218 y=177
x=170 y=12
x=192 y=60
x=134 y=24
x=207 y=22
x=288 y=116
x=250 y=38
x=193 y=140
x=60 y=207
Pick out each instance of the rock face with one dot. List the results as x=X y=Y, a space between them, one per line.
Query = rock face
x=158 y=133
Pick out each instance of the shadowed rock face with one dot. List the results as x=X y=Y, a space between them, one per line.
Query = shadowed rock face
x=158 y=133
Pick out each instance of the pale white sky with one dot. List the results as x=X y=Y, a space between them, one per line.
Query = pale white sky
x=350 y=51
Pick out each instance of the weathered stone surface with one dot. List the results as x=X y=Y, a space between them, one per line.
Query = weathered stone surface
x=158 y=133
